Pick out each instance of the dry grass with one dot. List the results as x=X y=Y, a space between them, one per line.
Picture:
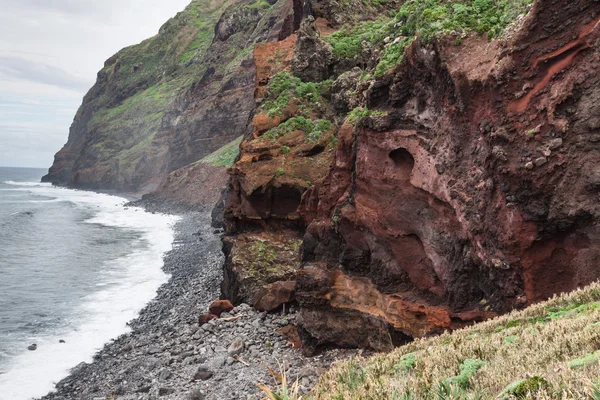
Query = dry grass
x=551 y=348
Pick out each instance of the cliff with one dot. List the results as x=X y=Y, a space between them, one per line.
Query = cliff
x=405 y=167
x=456 y=180
x=171 y=100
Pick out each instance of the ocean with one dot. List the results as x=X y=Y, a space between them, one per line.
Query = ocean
x=75 y=267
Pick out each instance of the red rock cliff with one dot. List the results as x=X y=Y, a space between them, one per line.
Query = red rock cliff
x=476 y=192
x=470 y=188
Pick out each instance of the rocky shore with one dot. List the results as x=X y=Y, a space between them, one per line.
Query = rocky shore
x=169 y=356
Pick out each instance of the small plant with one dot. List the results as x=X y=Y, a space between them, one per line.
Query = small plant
x=285 y=149
x=523 y=388
x=468 y=368
x=531 y=132
x=357 y=114
x=406 y=363
x=312 y=129
x=353 y=377
x=284 y=88
x=279 y=173
x=585 y=361
x=510 y=339
x=284 y=390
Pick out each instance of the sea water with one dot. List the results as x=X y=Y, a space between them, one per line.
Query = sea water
x=75 y=267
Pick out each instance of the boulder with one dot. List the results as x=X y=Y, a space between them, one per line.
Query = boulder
x=220 y=306
x=204 y=318
x=273 y=296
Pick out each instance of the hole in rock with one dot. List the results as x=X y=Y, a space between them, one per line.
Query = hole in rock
x=403 y=161
x=313 y=151
x=399 y=338
x=264 y=157
x=286 y=200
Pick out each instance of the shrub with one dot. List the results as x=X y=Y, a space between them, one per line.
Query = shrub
x=279 y=173
x=427 y=19
x=468 y=368
x=357 y=114
x=407 y=362
x=312 y=130
x=283 y=87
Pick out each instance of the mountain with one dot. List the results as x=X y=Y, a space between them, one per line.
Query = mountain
x=171 y=100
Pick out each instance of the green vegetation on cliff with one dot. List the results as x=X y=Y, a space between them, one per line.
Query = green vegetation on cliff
x=426 y=19
x=166 y=93
x=549 y=350
x=226 y=155
x=284 y=88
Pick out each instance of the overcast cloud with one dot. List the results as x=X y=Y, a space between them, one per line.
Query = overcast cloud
x=50 y=52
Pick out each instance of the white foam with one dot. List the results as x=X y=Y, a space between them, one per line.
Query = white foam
x=32 y=184
x=132 y=281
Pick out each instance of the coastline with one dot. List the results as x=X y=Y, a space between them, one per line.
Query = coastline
x=166 y=349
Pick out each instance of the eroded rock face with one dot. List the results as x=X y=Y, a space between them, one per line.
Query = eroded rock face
x=471 y=194
x=256 y=260
x=313 y=58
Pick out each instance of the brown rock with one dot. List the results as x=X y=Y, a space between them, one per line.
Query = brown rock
x=273 y=296
x=290 y=332
x=204 y=318
x=220 y=306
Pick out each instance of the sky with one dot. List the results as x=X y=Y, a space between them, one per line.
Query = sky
x=50 y=52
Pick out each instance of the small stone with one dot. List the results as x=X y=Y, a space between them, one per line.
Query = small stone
x=555 y=143
x=32 y=347
x=196 y=395
x=230 y=361
x=61 y=341
x=164 y=391
x=499 y=153
x=307 y=372
x=153 y=350
x=164 y=375
x=283 y=322
x=202 y=374
x=546 y=152
x=540 y=161
x=529 y=165
x=220 y=349
x=143 y=389
x=236 y=347
x=218 y=361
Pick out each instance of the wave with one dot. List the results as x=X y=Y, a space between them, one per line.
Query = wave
x=28 y=184
x=130 y=283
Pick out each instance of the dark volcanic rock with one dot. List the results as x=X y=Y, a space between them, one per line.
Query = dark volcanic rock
x=202 y=374
x=312 y=59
